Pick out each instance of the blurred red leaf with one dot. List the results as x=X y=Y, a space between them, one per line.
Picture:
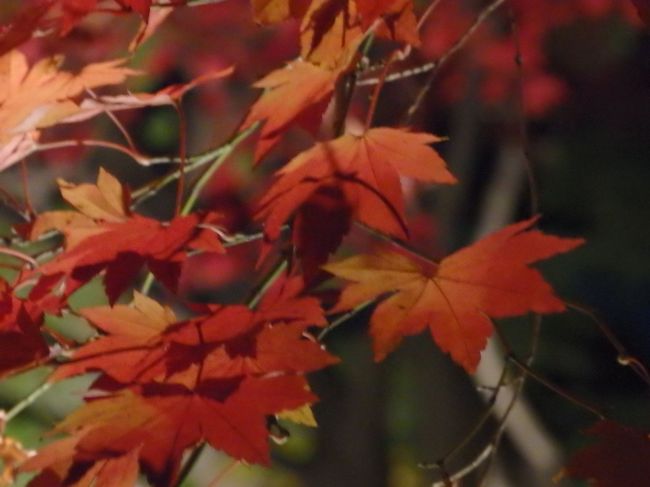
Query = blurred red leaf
x=620 y=458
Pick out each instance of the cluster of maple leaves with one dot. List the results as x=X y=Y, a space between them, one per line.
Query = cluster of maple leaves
x=166 y=385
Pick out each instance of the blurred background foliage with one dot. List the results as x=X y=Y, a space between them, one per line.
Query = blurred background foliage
x=588 y=140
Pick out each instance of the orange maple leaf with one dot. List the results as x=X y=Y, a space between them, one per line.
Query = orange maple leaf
x=173 y=384
x=454 y=298
x=298 y=93
x=362 y=174
x=103 y=234
x=40 y=96
x=331 y=27
x=274 y=11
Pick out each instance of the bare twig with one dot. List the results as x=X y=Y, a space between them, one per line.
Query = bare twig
x=467 y=469
x=533 y=187
x=624 y=357
x=343 y=318
x=19 y=255
x=182 y=122
x=460 y=43
x=28 y=401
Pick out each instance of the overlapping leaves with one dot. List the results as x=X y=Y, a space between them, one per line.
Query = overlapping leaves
x=169 y=385
x=103 y=234
x=352 y=177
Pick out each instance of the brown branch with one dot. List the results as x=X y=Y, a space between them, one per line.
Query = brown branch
x=182 y=152
x=19 y=255
x=460 y=43
x=533 y=187
x=378 y=88
x=624 y=357
x=511 y=357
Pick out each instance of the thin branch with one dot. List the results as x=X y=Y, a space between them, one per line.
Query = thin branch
x=469 y=468
x=25 y=183
x=624 y=357
x=427 y=13
x=482 y=17
x=226 y=151
x=133 y=154
x=561 y=392
x=343 y=318
x=224 y=473
x=533 y=187
x=189 y=464
x=342 y=99
x=116 y=122
x=478 y=425
x=267 y=282
x=395 y=242
x=14 y=204
x=378 y=88
x=19 y=255
x=180 y=189
x=28 y=401
x=511 y=357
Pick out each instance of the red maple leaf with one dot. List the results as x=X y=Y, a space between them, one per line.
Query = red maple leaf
x=619 y=458
x=350 y=177
x=143 y=342
x=214 y=378
x=21 y=342
x=160 y=422
x=454 y=298
x=298 y=93
x=643 y=7
x=103 y=234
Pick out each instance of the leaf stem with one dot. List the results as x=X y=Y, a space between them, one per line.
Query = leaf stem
x=561 y=392
x=28 y=401
x=182 y=136
x=19 y=255
x=224 y=153
x=511 y=357
x=189 y=464
x=267 y=282
x=343 y=318
x=482 y=419
x=624 y=357
x=378 y=88
x=533 y=186
x=460 y=43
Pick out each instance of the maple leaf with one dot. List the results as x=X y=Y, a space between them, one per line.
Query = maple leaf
x=274 y=11
x=162 y=421
x=169 y=95
x=132 y=334
x=331 y=29
x=620 y=458
x=144 y=343
x=106 y=235
x=21 y=342
x=643 y=7
x=362 y=173
x=142 y=7
x=298 y=93
x=490 y=278
x=40 y=96
x=213 y=378
x=56 y=461
x=28 y=19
